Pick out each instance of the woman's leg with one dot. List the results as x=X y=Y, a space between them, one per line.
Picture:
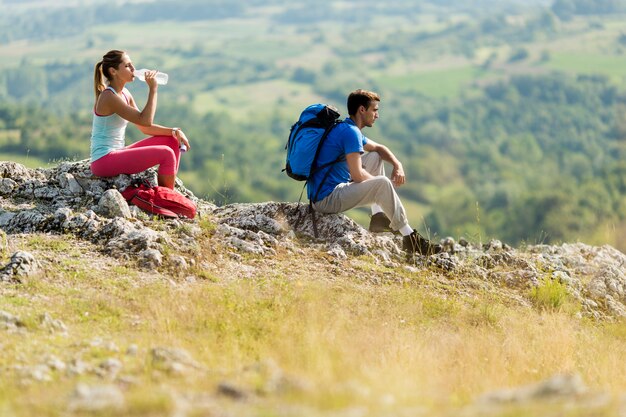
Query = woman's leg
x=169 y=141
x=164 y=179
x=157 y=150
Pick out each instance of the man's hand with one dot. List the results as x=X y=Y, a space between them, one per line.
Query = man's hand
x=397 y=175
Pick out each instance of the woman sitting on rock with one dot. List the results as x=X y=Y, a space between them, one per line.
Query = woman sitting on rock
x=114 y=108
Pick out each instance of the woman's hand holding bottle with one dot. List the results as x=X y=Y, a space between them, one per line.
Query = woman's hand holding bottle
x=182 y=139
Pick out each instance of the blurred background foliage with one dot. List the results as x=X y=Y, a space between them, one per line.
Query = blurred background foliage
x=509 y=116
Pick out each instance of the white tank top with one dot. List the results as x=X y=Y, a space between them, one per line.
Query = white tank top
x=108 y=133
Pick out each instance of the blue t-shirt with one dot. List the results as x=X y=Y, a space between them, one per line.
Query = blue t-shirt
x=343 y=139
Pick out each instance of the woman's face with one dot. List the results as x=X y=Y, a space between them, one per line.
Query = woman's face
x=125 y=71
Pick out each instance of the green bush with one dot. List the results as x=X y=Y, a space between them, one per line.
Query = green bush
x=549 y=295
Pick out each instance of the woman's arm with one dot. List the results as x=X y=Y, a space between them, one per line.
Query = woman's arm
x=109 y=103
x=152 y=129
x=158 y=130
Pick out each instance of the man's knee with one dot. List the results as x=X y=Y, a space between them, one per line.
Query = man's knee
x=372 y=160
x=375 y=156
x=383 y=189
x=381 y=181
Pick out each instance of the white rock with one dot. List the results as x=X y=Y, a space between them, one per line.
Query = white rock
x=96 y=398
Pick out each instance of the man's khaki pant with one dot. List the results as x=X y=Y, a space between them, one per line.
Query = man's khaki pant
x=378 y=190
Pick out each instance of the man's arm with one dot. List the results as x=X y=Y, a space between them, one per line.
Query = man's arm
x=397 y=175
x=355 y=166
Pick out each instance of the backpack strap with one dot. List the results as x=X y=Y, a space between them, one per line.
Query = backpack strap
x=313 y=219
x=316 y=169
x=319 y=148
x=319 y=188
x=299 y=219
x=326 y=174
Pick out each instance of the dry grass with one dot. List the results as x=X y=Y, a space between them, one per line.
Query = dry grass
x=408 y=346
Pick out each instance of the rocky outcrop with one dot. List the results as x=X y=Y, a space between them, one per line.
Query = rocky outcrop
x=21 y=264
x=261 y=226
x=69 y=199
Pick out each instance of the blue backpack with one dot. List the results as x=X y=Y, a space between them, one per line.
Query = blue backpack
x=306 y=139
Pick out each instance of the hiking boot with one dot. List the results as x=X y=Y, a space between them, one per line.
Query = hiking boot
x=416 y=243
x=380 y=223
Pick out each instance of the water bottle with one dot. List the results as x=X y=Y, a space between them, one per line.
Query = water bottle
x=161 y=77
x=182 y=148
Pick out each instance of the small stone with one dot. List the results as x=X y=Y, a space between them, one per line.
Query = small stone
x=112 y=205
x=62 y=214
x=247 y=247
x=150 y=258
x=40 y=373
x=77 y=367
x=7 y=185
x=74 y=187
x=558 y=386
x=448 y=244
x=337 y=252
x=8 y=321
x=173 y=361
x=90 y=398
x=383 y=255
x=108 y=345
x=493 y=245
x=6 y=218
x=56 y=364
x=22 y=264
x=228 y=389
x=70 y=184
x=52 y=325
x=132 y=350
x=179 y=263
x=110 y=368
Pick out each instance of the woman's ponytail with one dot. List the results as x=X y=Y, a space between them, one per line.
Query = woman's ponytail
x=98 y=82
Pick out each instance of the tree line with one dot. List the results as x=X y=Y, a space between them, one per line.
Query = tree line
x=530 y=157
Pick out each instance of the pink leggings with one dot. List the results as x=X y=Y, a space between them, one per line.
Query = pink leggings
x=156 y=150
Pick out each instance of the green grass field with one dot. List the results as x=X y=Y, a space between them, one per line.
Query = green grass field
x=589 y=63
x=259 y=98
x=446 y=82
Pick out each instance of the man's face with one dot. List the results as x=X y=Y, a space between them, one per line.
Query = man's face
x=370 y=114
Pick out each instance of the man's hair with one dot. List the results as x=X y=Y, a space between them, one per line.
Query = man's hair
x=360 y=98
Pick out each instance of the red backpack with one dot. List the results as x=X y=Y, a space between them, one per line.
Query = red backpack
x=160 y=200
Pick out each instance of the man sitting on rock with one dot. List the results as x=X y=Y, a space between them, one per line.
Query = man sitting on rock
x=359 y=179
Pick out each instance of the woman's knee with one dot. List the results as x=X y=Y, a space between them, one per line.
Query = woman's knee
x=167 y=161
x=168 y=141
x=100 y=169
x=172 y=142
